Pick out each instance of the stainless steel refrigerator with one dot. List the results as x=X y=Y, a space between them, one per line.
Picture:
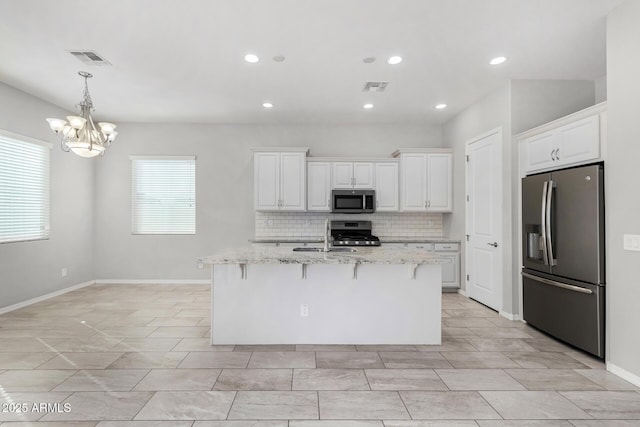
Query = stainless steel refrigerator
x=563 y=255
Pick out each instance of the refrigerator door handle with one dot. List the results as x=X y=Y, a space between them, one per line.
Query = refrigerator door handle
x=557 y=284
x=543 y=223
x=549 y=243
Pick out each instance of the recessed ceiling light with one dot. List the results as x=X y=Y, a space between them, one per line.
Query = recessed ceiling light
x=394 y=60
x=251 y=58
x=441 y=106
x=369 y=59
x=498 y=60
x=367 y=106
x=267 y=105
x=279 y=58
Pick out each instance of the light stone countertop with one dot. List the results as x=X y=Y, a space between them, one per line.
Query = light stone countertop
x=279 y=255
x=383 y=240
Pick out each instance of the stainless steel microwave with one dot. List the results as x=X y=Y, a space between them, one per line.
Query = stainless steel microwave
x=353 y=201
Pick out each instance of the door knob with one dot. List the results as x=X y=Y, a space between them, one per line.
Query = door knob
x=494 y=244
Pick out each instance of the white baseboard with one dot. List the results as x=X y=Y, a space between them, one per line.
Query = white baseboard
x=152 y=282
x=506 y=315
x=462 y=292
x=624 y=374
x=510 y=316
x=45 y=297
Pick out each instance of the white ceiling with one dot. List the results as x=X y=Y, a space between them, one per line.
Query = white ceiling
x=182 y=61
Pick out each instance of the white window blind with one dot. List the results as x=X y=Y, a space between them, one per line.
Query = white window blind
x=163 y=194
x=24 y=188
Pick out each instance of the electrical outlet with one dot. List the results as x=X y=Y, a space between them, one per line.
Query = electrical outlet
x=64 y=272
x=304 y=310
x=631 y=242
x=269 y=223
x=307 y=223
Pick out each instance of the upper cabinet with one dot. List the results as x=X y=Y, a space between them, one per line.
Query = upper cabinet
x=418 y=180
x=318 y=186
x=279 y=180
x=565 y=142
x=426 y=183
x=353 y=175
x=386 y=186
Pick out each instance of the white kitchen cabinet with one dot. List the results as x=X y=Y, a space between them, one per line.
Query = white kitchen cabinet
x=426 y=182
x=414 y=182
x=451 y=265
x=318 y=186
x=439 y=182
x=450 y=270
x=353 y=175
x=568 y=144
x=386 y=179
x=279 y=181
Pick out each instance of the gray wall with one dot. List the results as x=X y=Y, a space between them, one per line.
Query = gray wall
x=623 y=198
x=535 y=102
x=32 y=269
x=516 y=107
x=601 y=89
x=224 y=186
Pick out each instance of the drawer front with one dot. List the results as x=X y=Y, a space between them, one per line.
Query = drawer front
x=449 y=247
x=425 y=246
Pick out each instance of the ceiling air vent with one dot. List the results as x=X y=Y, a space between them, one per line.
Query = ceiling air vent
x=89 y=57
x=375 y=86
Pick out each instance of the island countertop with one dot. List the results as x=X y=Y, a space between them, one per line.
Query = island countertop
x=280 y=255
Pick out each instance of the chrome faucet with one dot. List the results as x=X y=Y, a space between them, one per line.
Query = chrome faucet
x=327 y=235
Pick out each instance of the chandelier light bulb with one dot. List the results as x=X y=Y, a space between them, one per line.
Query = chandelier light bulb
x=106 y=127
x=76 y=122
x=56 y=125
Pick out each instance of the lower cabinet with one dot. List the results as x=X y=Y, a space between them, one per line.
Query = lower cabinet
x=451 y=266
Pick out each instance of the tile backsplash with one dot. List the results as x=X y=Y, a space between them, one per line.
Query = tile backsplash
x=386 y=225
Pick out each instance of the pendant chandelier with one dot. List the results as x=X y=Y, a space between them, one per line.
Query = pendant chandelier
x=79 y=134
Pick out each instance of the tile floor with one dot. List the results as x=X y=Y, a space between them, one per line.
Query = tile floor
x=115 y=355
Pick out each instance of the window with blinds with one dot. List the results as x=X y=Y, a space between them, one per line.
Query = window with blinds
x=163 y=194
x=24 y=188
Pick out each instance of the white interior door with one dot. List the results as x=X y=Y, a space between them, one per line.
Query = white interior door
x=484 y=219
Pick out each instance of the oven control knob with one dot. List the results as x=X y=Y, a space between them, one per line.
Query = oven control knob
x=357 y=243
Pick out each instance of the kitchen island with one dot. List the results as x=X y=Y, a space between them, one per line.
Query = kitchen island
x=274 y=295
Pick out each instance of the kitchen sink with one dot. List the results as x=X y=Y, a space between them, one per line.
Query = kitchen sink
x=322 y=250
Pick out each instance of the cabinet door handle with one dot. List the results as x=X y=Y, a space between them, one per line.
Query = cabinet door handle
x=558 y=154
x=552 y=155
x=428 y=203
x=494 y=244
